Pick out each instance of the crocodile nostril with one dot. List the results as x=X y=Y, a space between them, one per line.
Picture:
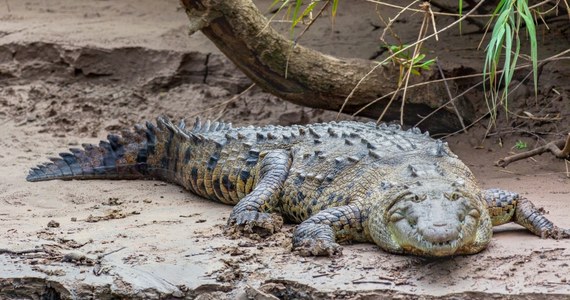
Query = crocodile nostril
x=412 y=221
x=440 y=224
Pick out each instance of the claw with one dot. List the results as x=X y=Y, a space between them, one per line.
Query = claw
x=557 y=233
x=308 y=247
x=263 y=224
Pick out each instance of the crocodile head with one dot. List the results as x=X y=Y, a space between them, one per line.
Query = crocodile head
x=433 y=219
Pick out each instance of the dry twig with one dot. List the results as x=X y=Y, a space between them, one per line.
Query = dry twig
x=559 y=148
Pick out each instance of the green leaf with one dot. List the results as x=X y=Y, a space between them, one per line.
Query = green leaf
x=460 y=13
x=334 y=8
x=298 y=4
x=275 y=3
x=307 y=10
x=427 y=64
x=531 y=29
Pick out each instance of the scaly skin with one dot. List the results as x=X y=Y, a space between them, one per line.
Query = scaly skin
x=342 y=182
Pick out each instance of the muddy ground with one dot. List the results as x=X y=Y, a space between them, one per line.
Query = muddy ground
x=71 y=71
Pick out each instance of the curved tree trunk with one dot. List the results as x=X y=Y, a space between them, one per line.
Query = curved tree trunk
x=314 y=79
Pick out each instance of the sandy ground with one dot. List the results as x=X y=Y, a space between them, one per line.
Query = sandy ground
x=71 y=71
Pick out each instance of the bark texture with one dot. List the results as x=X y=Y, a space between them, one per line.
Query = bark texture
x=308 y=77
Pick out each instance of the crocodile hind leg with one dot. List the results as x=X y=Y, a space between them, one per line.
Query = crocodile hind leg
x=319 y=234
x=506 y=206
x=251 y=214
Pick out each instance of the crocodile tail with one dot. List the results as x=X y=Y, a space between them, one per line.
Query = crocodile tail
x=129 y=155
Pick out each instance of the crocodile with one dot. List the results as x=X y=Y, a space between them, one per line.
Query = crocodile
x=340 y=181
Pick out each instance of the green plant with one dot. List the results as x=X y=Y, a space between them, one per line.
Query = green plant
x=520 y=145
x=294 y=10
x=502 y=52
x=405 y=60
x=506 y=41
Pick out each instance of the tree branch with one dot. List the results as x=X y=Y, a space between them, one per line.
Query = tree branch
x=312 y=78
x=560 y=149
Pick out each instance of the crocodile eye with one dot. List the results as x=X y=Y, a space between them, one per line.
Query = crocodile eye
x=396 y=216
x=453 y=196
x=475 y=213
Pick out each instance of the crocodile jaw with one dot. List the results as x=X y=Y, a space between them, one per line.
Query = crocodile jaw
x=433 y=242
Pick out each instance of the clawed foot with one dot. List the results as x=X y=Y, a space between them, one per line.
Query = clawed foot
x=316 y=247
x=263 y=224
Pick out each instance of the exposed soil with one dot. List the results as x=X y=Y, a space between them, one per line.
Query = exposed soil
x=70 y=71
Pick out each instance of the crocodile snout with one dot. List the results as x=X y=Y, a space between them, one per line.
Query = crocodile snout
x=439 y=233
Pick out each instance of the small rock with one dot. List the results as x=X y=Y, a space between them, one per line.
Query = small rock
x=53 y=224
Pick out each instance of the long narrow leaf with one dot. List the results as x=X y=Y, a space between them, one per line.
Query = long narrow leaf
x=307 y=10
x=298 y=4
x=334 y=9
x=460 y=13
x=531 y=29
x=273 y=5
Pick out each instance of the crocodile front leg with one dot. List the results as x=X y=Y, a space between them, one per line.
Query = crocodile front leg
x=506 y=206
x=319 y=234
x=251 y=214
